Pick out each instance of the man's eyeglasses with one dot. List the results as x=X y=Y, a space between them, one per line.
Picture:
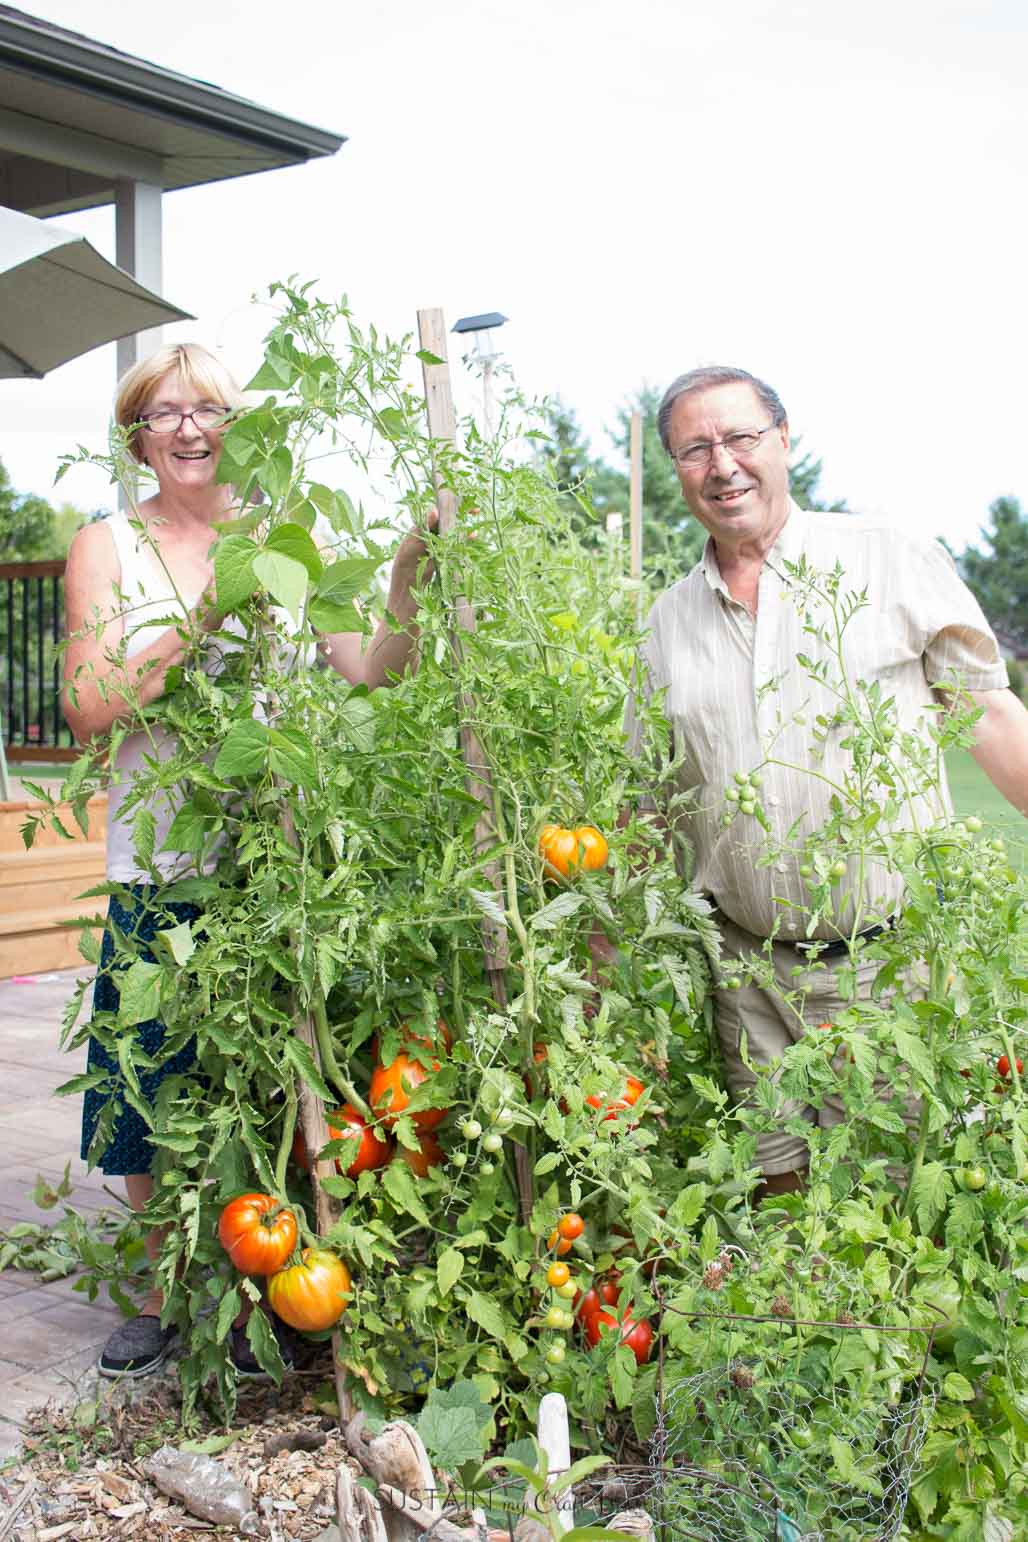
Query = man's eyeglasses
x=740 y=444
x=170 y=422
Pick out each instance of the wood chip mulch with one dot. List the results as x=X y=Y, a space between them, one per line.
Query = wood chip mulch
x=287 y=1452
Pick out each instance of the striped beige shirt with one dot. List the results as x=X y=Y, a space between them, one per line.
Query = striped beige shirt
x=738 y=700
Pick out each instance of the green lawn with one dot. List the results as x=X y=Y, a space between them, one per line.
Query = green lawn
x=973 y=793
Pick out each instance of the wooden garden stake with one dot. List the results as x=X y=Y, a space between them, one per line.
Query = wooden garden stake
x=314 y=1129
x=442 y=426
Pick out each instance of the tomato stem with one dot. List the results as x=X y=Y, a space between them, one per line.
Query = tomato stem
x=329 y=1064
x=285 y=1144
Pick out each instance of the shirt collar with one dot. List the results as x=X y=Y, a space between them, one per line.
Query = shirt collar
x=788 y=548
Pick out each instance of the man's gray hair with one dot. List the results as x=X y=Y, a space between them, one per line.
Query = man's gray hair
x=703 y=379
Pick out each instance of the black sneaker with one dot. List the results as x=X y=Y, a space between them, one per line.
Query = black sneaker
x=136 y=1348
x=245 y=1361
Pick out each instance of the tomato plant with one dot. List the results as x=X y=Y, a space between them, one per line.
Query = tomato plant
x=392 y=1086
x=257 y=1233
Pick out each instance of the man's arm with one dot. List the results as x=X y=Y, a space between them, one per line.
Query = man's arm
x=1001 y=744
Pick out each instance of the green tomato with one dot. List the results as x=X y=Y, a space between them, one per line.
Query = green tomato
x=733 y=983
x=802 y=1436
x=741 y=778
x=555 y=1317
x=806 y=871
x=726 y=820
x=755 y=780
x=838 y=869
x=732 y=794
x=973 y=1179
x=503 y=1119
x=486 y=1168
x=471 y=1129
x=458 y=1158
x=973 y=823
x=747 y=806
x=569 y=1290
x=492 y=1142
x=555 y=1354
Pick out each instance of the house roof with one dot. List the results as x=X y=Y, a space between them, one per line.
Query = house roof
x=78 y=116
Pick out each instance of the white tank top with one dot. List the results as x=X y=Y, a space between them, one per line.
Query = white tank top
x=147 y=591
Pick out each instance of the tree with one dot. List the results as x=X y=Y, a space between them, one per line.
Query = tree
x=27 y=524
x=997 y=572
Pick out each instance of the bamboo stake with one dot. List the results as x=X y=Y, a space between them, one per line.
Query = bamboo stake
x=635 y=496
x=442 y=425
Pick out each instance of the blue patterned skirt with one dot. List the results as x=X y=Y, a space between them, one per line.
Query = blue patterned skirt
x=129 y=1150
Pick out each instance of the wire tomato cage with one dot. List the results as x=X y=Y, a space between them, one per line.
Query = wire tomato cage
x=796 y=1430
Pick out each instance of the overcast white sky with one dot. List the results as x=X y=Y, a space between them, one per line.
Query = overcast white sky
x=830 y=194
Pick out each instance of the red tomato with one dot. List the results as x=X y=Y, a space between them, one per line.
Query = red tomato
x=637 y=1335
x=609 y=1293
x=256 y=1233
x=586 y=1306
x=429 y=1154
x=391 y=1088
x=369 y=1151
x=311 y=1295
x=1003 y=1066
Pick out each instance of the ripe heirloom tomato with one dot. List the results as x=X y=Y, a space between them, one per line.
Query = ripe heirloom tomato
x=256 y=1233
x=564 y=851
x=312 y=1294
x=631 y=1092
x=429 y=1154
x=391 y=1088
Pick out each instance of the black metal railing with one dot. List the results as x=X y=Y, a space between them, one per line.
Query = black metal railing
x=31 y=627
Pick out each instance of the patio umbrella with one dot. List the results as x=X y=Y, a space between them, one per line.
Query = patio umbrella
x=60 y=298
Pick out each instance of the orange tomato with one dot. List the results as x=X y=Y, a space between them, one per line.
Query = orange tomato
x=631 y=1092
x=571 y=1226
x=429 y=1154
x=312 y=1294
x=256 y=1233
x=391 y=1088
x=564 y=851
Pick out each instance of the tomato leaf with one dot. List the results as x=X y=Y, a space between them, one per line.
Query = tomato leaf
x=398 y=1182
x=292 y=540
x=484 y=1311
x=291 y=757
x=177 y=942
x=556 y=911
x=234 y=577
x=284 y=578
x=449 y=1267
x=139 y=990
x=300 y=1056
x=244 y=750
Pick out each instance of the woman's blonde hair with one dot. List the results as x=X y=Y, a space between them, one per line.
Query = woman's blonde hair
x=200 y=371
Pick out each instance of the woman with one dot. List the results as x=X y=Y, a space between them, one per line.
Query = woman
x=179 y=400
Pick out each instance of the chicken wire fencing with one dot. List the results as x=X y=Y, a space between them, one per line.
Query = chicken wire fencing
x=812 y=1433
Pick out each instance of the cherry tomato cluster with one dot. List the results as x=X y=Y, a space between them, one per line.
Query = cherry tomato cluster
x=259 y=1235
x=742 y=796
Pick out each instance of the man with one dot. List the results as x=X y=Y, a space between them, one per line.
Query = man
x=723 y=644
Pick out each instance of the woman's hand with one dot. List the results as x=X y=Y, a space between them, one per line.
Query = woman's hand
x=412 y=564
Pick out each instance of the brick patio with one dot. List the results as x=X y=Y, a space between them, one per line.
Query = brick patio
x=49 y=1334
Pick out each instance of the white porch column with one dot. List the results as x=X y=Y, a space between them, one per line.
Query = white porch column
x=138 y=249
x=137 y=231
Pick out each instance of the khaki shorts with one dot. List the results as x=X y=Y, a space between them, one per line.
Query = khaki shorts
x=770 y=1026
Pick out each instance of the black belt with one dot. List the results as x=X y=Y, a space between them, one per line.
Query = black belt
x=838 y=944
x=820 y=946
